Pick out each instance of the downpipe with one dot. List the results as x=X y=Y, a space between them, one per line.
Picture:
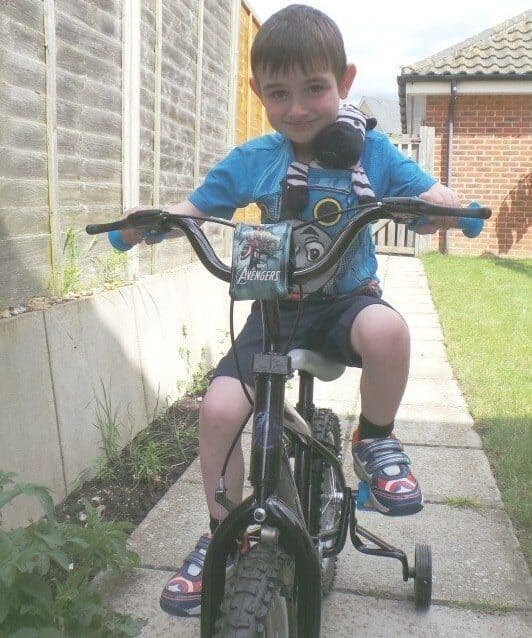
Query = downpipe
x=448 y=168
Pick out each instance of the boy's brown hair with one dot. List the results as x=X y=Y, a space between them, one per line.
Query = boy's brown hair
x=298 y=36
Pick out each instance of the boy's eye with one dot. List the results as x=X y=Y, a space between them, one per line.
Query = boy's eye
x=278 y=95
x=316 y=88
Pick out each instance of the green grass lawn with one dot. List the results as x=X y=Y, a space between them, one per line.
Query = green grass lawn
x=485 y=307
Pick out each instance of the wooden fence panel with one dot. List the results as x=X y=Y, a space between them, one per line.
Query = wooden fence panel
x=251 y=119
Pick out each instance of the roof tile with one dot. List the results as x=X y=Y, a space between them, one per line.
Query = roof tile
x=504 y=49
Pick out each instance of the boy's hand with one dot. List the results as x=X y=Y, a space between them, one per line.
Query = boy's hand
x=131 y=236
x=442 y=196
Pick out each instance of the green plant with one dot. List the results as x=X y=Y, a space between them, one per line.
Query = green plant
x=200 y=376
x=71 y=274
x=46 y=570
x=112 y=267
x=148 y=458
x=109 y=426
x=462 y=502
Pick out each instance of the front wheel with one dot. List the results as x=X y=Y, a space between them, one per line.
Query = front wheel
x=257 y=601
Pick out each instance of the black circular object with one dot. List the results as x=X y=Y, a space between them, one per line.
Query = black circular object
x=423 y=576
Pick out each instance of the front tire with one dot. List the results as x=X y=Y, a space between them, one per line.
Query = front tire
x=255 y=604
x=325 y=509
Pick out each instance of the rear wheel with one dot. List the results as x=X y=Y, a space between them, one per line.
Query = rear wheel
x=423 y=576
x=257 y=601
x=326 y=501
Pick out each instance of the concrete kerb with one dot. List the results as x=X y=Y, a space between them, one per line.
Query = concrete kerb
x=481 y=583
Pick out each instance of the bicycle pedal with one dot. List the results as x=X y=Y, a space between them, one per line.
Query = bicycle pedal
x=363 y=498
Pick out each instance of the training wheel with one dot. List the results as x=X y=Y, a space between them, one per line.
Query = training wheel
x=423 y=576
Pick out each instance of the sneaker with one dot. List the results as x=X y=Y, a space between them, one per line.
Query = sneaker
x=383 y=465
x=181 y=595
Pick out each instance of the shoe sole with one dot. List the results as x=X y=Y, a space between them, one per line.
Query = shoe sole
x=173 y=610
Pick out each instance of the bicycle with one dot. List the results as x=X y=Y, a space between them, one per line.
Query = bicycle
x=292 y=527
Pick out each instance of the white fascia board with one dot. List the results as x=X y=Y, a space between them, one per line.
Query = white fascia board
x=470 y=87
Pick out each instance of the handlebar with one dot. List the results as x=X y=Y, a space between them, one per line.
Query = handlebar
x=399 y=209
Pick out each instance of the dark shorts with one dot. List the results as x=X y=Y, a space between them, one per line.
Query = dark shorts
x=324 y=326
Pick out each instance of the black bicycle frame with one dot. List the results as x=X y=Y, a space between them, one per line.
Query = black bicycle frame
x=277 y=500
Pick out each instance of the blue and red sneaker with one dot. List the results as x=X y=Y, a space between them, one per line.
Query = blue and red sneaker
x=181 y=595
x=384 y=466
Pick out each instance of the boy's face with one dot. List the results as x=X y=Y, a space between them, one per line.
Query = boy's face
x=300 y=105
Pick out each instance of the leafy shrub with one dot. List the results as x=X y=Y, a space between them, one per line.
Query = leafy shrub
x=46 y=570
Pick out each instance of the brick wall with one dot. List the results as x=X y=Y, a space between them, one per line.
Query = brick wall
x=492 y=163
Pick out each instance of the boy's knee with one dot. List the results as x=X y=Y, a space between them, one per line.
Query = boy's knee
x=223 y=404
x=379 y=329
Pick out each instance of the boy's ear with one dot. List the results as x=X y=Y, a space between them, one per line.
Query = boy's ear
x=255 y=87
x=347 y=80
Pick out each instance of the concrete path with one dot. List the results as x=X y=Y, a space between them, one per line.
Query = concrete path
x=481 y=583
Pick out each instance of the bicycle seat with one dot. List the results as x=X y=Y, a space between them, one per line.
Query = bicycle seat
x=316 y=364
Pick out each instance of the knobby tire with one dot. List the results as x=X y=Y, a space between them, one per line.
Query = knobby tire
x=254 y=603
x=325 y=428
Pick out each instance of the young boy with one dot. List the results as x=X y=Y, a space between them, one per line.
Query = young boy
x=300 y=73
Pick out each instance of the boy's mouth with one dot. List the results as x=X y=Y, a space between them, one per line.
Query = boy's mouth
x=302 y=124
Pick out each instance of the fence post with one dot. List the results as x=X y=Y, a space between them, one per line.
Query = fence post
x=131 y=115
x=51 y=139
x=426 y=162
x=200 y=14
x=157 y=104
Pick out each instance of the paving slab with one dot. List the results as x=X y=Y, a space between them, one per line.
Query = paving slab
x=431 y=350
x=399 y=296
x=425 y=333
x=447 y=473
x=344 y=615
x=409 y=308
x=172 y=528
x=422 y=319
x=476 y=557
x=348 y=616
x=138 y=595
x=424 y=368
x=436 y=425
x=429 y=392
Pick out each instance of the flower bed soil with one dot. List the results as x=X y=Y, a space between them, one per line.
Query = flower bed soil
x=120 y=496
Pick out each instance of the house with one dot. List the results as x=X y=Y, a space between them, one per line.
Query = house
x=385 y=111
x=478 y=97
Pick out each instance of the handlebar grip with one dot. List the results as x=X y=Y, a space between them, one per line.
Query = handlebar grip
x=471 y=226
x=96 y=229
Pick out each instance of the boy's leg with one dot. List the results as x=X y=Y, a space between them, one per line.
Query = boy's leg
x=381 y=338
x=223 y=409
x=222 y=412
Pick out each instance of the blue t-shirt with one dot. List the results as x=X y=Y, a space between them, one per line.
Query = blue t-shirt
x=253 y=172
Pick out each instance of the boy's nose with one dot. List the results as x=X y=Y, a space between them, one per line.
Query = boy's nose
x=297 y=109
